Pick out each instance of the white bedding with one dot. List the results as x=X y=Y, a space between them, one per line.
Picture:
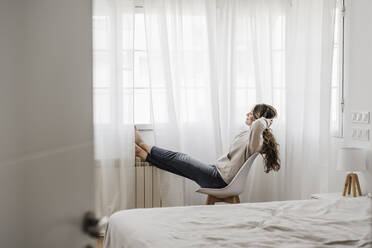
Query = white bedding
x=308 y=223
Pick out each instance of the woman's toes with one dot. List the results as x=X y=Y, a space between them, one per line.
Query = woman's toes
x=140 y=142
x=138 y=138
x=140 y=152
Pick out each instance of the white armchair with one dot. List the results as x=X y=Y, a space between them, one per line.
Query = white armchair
x=231 y=192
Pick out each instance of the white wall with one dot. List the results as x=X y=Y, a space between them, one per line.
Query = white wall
x=358 y=95
x=59 y=116
x=11 y=123
x=46 y=124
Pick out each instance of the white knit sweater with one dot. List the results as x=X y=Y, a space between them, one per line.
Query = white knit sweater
x=243 y=146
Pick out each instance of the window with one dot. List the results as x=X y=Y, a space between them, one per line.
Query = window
x=101 y=69
x=193 y=83
x=141 y=84
x=278 y=65
x=337 y=85
x=134 y=70
x=247 y=82
x=120 y=65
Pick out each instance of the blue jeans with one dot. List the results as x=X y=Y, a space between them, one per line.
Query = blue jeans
x=207 y=176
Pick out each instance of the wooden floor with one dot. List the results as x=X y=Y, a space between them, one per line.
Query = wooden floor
x=100 y=242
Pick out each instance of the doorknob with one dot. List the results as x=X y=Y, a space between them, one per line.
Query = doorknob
x=90 y=225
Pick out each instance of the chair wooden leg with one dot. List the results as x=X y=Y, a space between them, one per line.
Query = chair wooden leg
x=236 y=199
x=210 y=200
x=229 y=199
x=100 y=242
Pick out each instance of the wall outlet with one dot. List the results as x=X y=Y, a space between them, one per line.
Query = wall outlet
x=365 y=135
x=360 y=117
x=361 y=134
x=365 y=117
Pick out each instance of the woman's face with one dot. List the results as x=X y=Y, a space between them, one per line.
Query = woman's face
x=250 y=119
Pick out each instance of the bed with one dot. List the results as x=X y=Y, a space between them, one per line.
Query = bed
x=344 y=222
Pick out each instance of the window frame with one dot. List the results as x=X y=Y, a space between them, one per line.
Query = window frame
x=341 y=85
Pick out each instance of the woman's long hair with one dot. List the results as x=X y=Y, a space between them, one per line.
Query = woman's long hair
x=270 y=146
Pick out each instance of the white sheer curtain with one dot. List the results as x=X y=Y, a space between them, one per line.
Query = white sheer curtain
x=182 y=78
x=310 y=29
x=251 y=65
x=113 y=105
x=211 y=61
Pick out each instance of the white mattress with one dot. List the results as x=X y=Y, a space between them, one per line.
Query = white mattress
x=308 y=223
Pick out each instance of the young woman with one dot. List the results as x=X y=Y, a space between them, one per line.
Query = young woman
x=257 y=139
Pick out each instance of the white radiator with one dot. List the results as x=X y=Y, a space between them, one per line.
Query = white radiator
x=147 y=185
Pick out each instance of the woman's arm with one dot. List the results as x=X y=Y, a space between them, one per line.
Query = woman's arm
x=258 y=126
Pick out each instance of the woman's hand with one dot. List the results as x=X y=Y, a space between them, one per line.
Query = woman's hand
x=265 y=122
x=270 y=122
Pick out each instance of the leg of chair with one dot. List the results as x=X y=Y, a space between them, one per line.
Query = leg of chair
x=100 y=242
x=210 y=200
x=236 y=199
x=231 y=199
x=227 y=199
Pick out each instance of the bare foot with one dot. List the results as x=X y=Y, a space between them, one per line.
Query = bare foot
x=141 y=153
x=140 y=142
x=138 y=137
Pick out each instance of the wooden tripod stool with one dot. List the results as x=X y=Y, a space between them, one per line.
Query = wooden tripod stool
x=211 y=200
x=352 y=181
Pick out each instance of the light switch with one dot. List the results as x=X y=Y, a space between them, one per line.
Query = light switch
x=365 y=135
x=353 y=116
x=354 y=133
x=361 y=117
x=361 y=134
x=365 y=117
